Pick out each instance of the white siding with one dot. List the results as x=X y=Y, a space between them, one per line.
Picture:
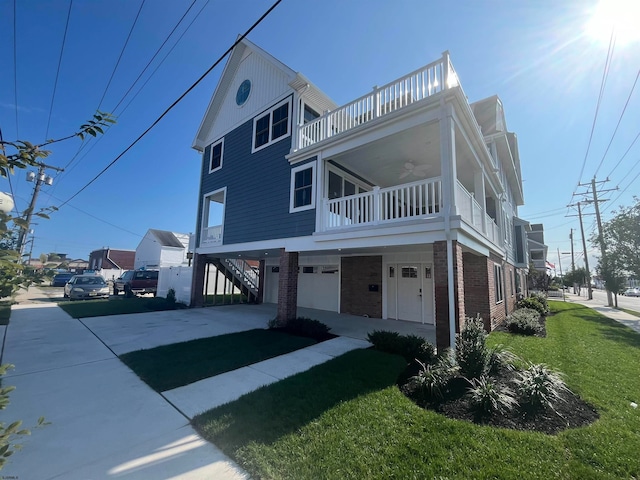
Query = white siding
x=268 y=84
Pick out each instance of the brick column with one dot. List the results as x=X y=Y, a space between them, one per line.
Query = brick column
x=441 y=283
x=197 y=280
x=287 y=287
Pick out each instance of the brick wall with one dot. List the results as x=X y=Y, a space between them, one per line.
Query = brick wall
x=287 y=286
x=440 y=267
x=478 y=290
x=356 y=274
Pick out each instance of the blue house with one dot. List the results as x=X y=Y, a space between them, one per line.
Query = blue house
x=401 y=204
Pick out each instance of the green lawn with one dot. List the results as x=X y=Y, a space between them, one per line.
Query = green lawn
x=171 y=366
x=114 y=306
x=347 y=419
x=5 y=313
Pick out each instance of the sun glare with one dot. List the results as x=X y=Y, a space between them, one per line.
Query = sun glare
x=621 y=16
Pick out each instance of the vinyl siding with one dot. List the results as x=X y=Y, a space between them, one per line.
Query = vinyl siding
x=258 y=184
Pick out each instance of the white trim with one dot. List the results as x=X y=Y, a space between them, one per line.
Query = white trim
x=269 y=112
x=498 y=281
x=312 y=205
x=214 y=144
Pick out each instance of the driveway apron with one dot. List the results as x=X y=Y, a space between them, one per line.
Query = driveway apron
x=104 y=421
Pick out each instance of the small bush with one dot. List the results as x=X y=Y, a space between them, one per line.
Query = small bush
x=171 y=298
x=411 y=347
x=304 y=327
x=540 y=387
x=487 y=396
x=525 y=321
x=430 y=383
x=471 y=350
x=500 y=359
x=537 y=301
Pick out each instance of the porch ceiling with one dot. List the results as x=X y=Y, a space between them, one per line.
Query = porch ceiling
x=383 y=162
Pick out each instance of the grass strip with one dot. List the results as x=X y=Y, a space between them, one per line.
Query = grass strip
x=630 y=312
x=345 y=419
x=179 y=364
x=115 y=306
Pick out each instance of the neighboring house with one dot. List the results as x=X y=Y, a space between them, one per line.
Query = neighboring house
x=537 y=248
x=78 y=265
x=160 y=248
x=401 y=204
x=111 y=259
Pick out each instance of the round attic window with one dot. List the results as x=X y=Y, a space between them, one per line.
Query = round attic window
x=243 y=92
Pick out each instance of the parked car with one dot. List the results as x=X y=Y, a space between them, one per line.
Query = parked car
x=60 y=279
x=86 y=286
x=632 y=292
x=135 y=282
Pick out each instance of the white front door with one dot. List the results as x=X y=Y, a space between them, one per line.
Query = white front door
x=410 y=292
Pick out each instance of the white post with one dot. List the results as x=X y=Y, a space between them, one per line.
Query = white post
x=376 y=102
x=376 y=204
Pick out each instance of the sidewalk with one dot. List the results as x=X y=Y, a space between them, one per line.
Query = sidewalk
x=624 y=318
x=104 y=421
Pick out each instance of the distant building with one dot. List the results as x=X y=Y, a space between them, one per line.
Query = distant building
x=161 y=248
x=111 y=259
x=537 y=248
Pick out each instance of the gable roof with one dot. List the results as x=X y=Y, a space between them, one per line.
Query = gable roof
x=295 y=80
x=166 y=238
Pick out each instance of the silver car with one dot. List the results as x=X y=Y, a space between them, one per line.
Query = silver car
x=86 y=286
x=632 y=292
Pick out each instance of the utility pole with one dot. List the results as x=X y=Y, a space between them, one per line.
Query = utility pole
x=561 y=277
x=39 y=178
x=573 y=260
x=596 y=201
x=584 y=247
x=586 y=257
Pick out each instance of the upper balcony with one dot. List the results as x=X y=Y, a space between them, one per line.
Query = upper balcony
x=392 y=97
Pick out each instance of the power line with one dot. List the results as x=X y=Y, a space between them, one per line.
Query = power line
x=163 y=59
x=618 y=124
x=121 y=53
x=93 y=144
x=158 y=50
x=624 y=155
x=197 y=82
x=603 y=83
x=55 y=84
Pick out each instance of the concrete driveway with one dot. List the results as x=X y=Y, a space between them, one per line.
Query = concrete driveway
x=105 y=422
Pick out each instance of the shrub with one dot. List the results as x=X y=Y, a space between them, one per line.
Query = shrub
x=430 y=382
x=411 y=347
x=534 y=304
x=171 y=298
x=471 y=350
x=539 y=386
x=304 y=327
x=487 y=396
x=542 y=298
x=500 y=359
x=525 y=321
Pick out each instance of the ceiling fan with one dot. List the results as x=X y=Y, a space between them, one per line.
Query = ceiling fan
x=417 y=170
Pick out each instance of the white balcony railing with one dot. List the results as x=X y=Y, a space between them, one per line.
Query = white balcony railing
x=411 y=200
x=411 y=88
x=472 y=212
x=212 y=236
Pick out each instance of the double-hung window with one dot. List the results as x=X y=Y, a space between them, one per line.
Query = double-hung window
x=303 y=187
x=216 y=151
x=272 y=125
x=499 y=286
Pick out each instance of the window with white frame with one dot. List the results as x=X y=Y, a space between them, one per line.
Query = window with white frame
x=272 y=125
x=497 y=274
x=213 y=217
x=216 y=151
x=303 y=187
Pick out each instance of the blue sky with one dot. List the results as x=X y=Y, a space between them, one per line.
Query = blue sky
x=536 y=55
